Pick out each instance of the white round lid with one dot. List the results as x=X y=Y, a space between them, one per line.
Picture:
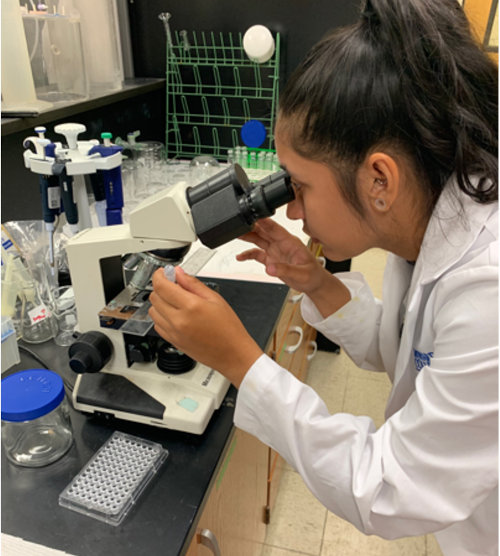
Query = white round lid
x=258 y=43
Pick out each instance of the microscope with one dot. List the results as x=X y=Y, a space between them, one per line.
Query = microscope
x=125 y=369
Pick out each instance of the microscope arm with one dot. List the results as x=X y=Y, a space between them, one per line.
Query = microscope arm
x=162 y=221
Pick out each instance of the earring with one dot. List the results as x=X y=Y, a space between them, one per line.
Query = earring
x=380 y=204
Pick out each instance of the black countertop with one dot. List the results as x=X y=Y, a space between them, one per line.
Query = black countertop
x=163 y=520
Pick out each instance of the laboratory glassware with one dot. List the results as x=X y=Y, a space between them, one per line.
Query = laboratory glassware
x=65 y=315
x=102 y=55
x=37 y=321
x=56 y=54
x=36 y=425
x=203 y=167
x=150 y=168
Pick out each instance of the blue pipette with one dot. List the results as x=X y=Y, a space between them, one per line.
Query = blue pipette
x=112 y=180
x=49 y=190
x=66 y=187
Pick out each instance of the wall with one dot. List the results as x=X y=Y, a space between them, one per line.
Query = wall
x=301 y=23
x=483 y=16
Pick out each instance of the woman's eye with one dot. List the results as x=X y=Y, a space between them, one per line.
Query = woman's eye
x=296 y=185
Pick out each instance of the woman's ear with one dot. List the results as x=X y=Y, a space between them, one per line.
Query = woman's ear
x=381 y=181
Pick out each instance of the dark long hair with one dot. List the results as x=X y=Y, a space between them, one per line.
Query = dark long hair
x=407 y=76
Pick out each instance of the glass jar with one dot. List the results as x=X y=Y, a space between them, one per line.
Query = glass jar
x=36 y=426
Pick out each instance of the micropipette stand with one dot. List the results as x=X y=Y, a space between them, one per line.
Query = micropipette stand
x=70 y=163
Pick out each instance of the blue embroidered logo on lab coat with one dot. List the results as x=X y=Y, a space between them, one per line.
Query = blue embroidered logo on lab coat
x=422 y=359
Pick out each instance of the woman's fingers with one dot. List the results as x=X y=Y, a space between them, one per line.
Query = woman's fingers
x=252 y=254
x=194 y=286
x=266 y=231
x=161 y=322
x=179 y=294
x=271 y=230
x=256 y=238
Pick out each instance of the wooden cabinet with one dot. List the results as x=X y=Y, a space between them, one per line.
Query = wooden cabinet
x=239 y=505
x=233 y=514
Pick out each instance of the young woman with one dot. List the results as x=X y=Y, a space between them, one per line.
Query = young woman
x=389 y=132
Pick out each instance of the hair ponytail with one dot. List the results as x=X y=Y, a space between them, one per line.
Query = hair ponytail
x=408 y=74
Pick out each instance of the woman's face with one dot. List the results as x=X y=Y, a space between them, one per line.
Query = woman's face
x=328 y=218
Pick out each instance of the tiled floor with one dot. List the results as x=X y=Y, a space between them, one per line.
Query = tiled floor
x=300 y=525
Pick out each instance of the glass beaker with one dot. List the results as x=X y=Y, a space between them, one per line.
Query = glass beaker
x=150 y=170
x=202 y=167
x=56 y=54
x=37 y=321
x=103 y=57
x=65 y=315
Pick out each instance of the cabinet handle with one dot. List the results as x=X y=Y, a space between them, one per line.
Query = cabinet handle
x=296 y=298
x=314 y=345
x=322 y=261
x=208 y=539
x=295 y=347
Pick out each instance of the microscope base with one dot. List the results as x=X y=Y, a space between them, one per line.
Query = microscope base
x=182 y=407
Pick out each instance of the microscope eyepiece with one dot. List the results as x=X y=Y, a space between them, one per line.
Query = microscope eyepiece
x=226 y=205
x=234 y=176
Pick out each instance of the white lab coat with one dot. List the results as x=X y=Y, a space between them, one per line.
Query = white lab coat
x=432 y=466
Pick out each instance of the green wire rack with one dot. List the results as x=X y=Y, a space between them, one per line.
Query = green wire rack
x=212 y=89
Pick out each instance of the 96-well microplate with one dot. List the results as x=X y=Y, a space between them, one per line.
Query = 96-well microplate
x=113 y=479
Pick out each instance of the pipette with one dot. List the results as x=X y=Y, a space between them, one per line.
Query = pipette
x=98 y=190
x=69 y=205
x=111 y=178
x=49 y=191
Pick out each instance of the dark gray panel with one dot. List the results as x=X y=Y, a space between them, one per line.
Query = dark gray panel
x=301 y=22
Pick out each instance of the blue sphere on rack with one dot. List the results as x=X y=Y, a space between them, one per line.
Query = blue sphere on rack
x=253 y=133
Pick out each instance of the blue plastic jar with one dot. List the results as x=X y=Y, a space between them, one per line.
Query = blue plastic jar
x=36 y=425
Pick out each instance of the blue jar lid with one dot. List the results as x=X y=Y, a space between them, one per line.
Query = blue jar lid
x=253 y=133
x=27 y=395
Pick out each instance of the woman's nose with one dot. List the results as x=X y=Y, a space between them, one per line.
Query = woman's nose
x=294 y=210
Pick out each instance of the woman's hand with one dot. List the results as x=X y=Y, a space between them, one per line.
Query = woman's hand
x=284 y=256
x=200 y=323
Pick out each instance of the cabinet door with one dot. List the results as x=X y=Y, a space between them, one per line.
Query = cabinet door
x=289 y=334
x=294 y=357
x=234 y=512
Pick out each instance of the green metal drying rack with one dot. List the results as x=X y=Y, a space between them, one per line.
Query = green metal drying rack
x=212 y=89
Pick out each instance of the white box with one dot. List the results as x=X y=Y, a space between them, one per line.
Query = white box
x=10 y=350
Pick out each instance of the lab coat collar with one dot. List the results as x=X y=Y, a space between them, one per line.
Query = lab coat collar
x=453 y=227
